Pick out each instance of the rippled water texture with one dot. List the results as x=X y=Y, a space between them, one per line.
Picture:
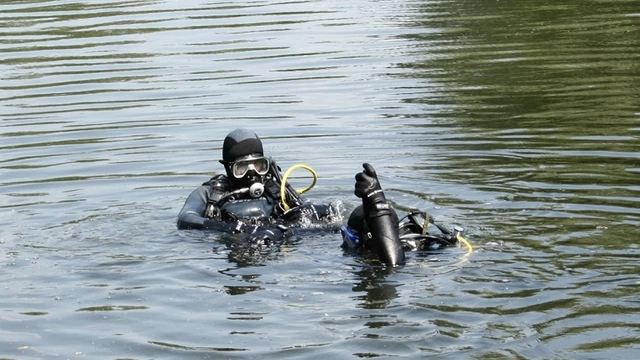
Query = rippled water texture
x=517 y=120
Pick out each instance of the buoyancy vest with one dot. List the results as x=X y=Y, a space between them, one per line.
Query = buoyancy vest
x=240 y=207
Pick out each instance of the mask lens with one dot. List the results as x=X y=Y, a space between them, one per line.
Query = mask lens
x=239 y=168
x=259 y=165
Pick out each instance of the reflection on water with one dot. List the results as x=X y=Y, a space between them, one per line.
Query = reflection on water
x=517 y=121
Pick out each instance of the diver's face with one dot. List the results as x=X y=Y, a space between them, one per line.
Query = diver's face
x=248 y=170
x=252 y=163
x=249 y=179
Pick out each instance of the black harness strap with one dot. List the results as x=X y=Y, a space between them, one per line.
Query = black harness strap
x=219 y=187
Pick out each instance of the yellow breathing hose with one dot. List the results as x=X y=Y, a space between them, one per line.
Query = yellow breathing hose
x=467 y=244
x=283 y=185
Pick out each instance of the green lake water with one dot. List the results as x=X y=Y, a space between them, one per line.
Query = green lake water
x=519 y=121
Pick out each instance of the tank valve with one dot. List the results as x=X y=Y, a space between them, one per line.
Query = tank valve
x=458 y=231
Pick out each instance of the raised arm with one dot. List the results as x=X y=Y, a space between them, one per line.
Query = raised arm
x=380 y=217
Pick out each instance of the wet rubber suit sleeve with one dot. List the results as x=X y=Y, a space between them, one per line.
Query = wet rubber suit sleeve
x=192 y=214
x=192 y=217
x=380 y=217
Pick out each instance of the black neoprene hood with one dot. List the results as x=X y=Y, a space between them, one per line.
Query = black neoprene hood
x=240 y=142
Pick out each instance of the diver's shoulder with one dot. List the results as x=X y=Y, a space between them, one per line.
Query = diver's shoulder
x=219 y=181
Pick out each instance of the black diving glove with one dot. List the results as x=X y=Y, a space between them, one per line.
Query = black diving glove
x=381 y=219
x=368 y=188
x=264 y=236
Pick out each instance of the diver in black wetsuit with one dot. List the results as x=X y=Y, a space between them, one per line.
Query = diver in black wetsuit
x=247 y=200
x=375 y=226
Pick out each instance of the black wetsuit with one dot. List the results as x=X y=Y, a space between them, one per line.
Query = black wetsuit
x=432 y=237
x=217 y=206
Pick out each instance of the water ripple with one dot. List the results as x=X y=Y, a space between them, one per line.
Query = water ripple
x=518 y=122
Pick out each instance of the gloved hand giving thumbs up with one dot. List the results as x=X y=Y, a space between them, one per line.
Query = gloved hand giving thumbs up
x=369 y=190
x=381 y=219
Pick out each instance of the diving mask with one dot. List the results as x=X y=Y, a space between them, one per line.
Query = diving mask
x=241 y=167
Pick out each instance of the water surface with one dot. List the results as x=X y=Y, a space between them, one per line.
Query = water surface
x=518 y=121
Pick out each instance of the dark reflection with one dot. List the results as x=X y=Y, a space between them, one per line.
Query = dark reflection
x=542 y=70
x=542 y=61
x=113 y=308
x=377 y=291
x=244 y=254
x=204 y=349
x=35 y=313
x=246 y=316
x=241 y=290
x=536 y=107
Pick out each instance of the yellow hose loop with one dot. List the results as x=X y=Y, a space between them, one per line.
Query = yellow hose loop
x=283 y=185
x=464 y=258
x=467 y=244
